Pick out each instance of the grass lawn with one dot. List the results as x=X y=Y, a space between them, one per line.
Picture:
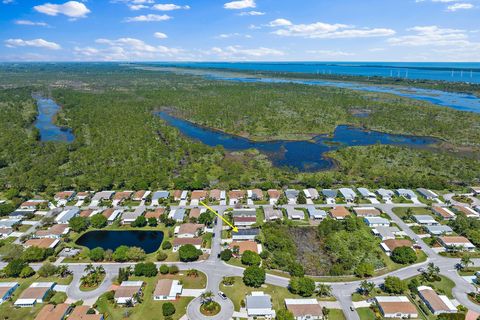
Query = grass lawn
x=468 y=272
x=24 y=227
x=444 y=286
x=239 y=290
x=86 y=288
x=189 y=282
x=58 y=297
x=148 y=309
x=366 y=313
x=336 y=314
x=402 y=212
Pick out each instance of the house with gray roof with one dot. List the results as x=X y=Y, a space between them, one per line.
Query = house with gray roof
x=386 y=194
x=438 y=230
x=65 y=216
x=386 y=233
x=294 y=214
x=129 y=217
x=374 y=222
x=177 y=214
x=244 y=212
x=408 y=194
x=101 y=196
x=427 y=194
x=425 y=220
x=291 y=195
x=348 y=194
x=316 y=214
x=272 y=214
x=9 y=223
x=159 y=195
x=330 y=195
x=245 y=234
x=259 y=304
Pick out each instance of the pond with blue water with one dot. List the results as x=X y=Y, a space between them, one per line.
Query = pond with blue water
x=149 y=241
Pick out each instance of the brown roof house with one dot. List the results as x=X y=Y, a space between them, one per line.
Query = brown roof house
x=44 y=243
x=178 y=242
x=391 y=244
x=189 y=230
x=53 y=312
x=167 y=289
x=55 y=232
x=127 y=291
x=303 y=309
x=367 y=212
x=453 y=243
x=436 y=303
x=34 y=294
x=396 y=307
x=339 y=212
x=443 y=213
x=273 y=196
x=81 y=313
x=244 y=246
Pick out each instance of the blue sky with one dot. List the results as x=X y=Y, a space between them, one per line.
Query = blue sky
x=241 y=30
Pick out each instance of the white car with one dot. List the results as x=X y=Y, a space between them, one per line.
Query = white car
x=222 y=295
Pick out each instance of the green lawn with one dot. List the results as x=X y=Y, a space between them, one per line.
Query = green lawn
x=402 y=212
x=239 y=290
x=147 y=309
x=444 y=286
x=366 y=313
x=336 y=314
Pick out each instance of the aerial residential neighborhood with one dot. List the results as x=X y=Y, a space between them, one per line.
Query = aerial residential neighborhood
x=413 y=232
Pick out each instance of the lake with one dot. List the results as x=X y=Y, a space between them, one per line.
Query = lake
x=49 y=131
x=149 y=241
x=301 y=155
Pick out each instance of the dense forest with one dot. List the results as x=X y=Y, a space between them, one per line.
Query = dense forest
x=121 y=144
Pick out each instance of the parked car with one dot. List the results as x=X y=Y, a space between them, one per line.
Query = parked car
x=222 y=295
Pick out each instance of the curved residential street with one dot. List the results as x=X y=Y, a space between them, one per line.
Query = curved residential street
x=215 y=270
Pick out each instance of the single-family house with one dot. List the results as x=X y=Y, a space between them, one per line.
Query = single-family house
x=63 y=197
x=119 y=197
x=130 y=217
x=112 y=214
x=396 y=307
x=469 y=212
x=179 y=195
x=82 y=195
x=243 y=246
x=316 y=214
x=159 y=196
x=178 y=242
x=217 y=195
x=55 y=232
x=5 y=232
x=197 y=196
x=54 y=312
x=291 y=195
x=374 y=222
x=391 y=244
x=6 y=290
x=244 y=222
x=330 y=195
x=177 y=214
x=427 y=194
x=444 y=213
x=87 y=213
x=34 y=294
x=235 y=196
x=273 y=196
x=366 y=212
x=437 y=304
x=475 y=190
x=387 y=233
x=101 y=196
x=141 y=195
x=438 y=230
x=156 y=214
x=425 y=220
x=386 y=194
x=339 y=212
x=294 y=214
x=272 y=214
x=245 y=234
x=255 y=194
x=407 y=194
x=365 y=193
x=84 y=313
x=44 y=243
x=167 y=289
x=33 y=204
x=67 y=214
x=127 y=291
x=196 y=212
x=259 y=304
x=453 y=243
x=189 y=230
x=311 y=193
x=304 y=309
x=348 y=194
x=10 y=223
x=22 y=213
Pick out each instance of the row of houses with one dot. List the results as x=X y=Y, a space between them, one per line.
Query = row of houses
x=165 y=290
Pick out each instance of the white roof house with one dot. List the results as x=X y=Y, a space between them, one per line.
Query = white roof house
x=272 y=214
x=427 y=194
x=386 y=233
x=425 y=219
x=9 y=223
x=129 y=217
x=330 y=195
x=66 y=215
x=291 y=195
x=364 y=192
x=100 y=196
x=376 y=222
x=259 y=304
x=407 y=193
x=158 y=195
x=438 y=230
x=386 y=194
x=348 y=194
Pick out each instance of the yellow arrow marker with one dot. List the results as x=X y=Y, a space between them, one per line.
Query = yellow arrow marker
x=234 y=229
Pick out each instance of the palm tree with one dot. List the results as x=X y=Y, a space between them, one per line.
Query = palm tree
x=466 y=261
x=324 y=290
x=89 y=268
x=432 y=272
x=63 y=271
x=207 y=297
x=366 y=287
x=192 y=273
x=100 y=269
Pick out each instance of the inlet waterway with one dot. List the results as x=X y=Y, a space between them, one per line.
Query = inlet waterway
x=49 y=131
x=301 y=155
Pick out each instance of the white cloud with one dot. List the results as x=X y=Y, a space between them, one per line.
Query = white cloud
x=331 y=53
x=459 y=6
x=30 y=23
x=251 y=13
x=7 y=1
x=72 y=9
x=160 y=35
x=238 y=52
x=148 y=18
x=431 y=36
x=169 y=7
x=37 y=43
x=232 y=35
x=240 y=4
x=321 y=30
x=136 y=7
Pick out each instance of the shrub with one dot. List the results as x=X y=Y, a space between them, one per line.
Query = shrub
x=47 y=270
x=14 y=268
x=226 y=255
x=163 y=269
x=254 y=276
x=96 y=254
x=302 y=286
x=168 y=309
x=98 y=221
x=147 y=269
x=161 y=256
x=251 y=258
x=166 y=245
x=27 y=272
x=173 y=269
x=188 y=253
x=394 y=285
x=403 y=255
